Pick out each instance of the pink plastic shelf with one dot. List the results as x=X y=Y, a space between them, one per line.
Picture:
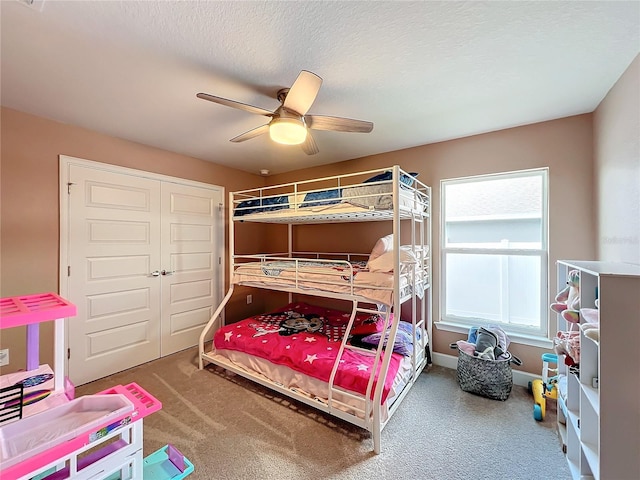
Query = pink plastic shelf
x=28 y=309
x=143 y=404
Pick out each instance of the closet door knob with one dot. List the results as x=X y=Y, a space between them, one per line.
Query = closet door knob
x=155 y=274
x=168 y=272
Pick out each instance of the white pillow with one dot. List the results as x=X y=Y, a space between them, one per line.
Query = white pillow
x=384 y=263
x=383 y=245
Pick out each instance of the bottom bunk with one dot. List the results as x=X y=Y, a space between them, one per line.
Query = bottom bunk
x=326 y=358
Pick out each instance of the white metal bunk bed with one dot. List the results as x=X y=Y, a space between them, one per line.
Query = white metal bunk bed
x=391 y=195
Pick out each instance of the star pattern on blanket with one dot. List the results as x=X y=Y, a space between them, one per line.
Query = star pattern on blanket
x=308 y=351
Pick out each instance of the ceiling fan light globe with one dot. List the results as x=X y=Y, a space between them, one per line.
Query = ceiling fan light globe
x=288 y=131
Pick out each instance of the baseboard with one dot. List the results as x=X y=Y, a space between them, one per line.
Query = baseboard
x=451 y=361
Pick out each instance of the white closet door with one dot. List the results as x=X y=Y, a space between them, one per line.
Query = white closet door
x=191 y=282
x=114 y=246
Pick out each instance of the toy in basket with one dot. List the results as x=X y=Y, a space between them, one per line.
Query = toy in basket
x=545 y=388
x=484 y=363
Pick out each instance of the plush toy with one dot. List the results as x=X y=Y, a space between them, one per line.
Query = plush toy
x=567 y=304
x=567 y=301
x=591 y=327
x=568 y=344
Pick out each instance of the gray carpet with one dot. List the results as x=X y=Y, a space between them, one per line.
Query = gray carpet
x=231 y=428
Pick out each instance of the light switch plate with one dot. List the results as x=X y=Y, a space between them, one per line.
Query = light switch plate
x=4 y=357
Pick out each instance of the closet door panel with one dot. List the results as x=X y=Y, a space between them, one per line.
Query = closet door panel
x=190 y=260
x=114 y=246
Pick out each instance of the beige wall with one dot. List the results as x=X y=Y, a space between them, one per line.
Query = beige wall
x=565 y=146
x=29 y=238
x=617 y=168
x=29 y=224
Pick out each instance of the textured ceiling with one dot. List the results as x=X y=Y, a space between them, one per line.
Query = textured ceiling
x=422 y=72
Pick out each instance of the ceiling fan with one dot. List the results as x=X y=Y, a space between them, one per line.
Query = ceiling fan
x=289 y=122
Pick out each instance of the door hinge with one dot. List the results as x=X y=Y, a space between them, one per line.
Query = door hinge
x=68 y=353
x=219 y=260
x=68 y=270
x=69 y=187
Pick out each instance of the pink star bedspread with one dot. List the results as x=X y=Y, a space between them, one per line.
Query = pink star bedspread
x=306 y=338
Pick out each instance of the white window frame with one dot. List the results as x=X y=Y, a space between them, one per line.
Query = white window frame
x=536 y=337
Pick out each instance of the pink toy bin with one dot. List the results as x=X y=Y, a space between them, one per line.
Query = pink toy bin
x=44 y=431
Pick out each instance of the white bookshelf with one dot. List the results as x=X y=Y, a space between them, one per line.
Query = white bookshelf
x=599 y=418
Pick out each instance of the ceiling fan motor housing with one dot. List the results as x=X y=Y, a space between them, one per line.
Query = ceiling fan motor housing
x=282 y=94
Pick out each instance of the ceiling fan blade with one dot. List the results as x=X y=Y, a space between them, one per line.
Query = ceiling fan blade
x=303 y=92
x=234 y=104
x=309 y=145
x=262 y=129
x=339 y=124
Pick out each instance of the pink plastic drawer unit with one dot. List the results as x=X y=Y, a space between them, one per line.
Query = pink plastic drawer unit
x=144 y=403
x=27 y=309
x=20 y=441
x=126 y=404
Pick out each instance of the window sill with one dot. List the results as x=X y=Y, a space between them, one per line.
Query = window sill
x=530 y=340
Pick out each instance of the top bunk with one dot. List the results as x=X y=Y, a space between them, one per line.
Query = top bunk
x=372 y=195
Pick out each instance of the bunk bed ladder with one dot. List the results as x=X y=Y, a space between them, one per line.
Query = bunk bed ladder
x=421 y=351
x=371 y=410
x=421 y=355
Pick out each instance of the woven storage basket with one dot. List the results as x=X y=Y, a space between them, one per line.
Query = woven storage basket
x=488 y=378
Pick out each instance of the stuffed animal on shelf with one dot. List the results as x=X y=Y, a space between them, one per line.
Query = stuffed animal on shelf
x=567 y=304
x=567 y=301
x=591 y=327
x=568 y=345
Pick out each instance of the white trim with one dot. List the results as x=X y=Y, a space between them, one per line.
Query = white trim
x=520 y=252
x=491 y=218
x=67 y=160
x=486 y=176
x=514 y=331
x=63 y=279
x=65 y=163
x=514 y=337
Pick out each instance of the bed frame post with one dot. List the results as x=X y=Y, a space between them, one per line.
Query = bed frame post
x=226 y=298
x=290 y=248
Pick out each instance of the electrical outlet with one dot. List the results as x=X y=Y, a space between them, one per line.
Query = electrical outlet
x=249 y=299
x=4 y=357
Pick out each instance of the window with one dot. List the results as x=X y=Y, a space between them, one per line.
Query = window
x=494 y=251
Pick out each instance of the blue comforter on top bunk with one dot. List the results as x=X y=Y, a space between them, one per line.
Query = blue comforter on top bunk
x=311 y=199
